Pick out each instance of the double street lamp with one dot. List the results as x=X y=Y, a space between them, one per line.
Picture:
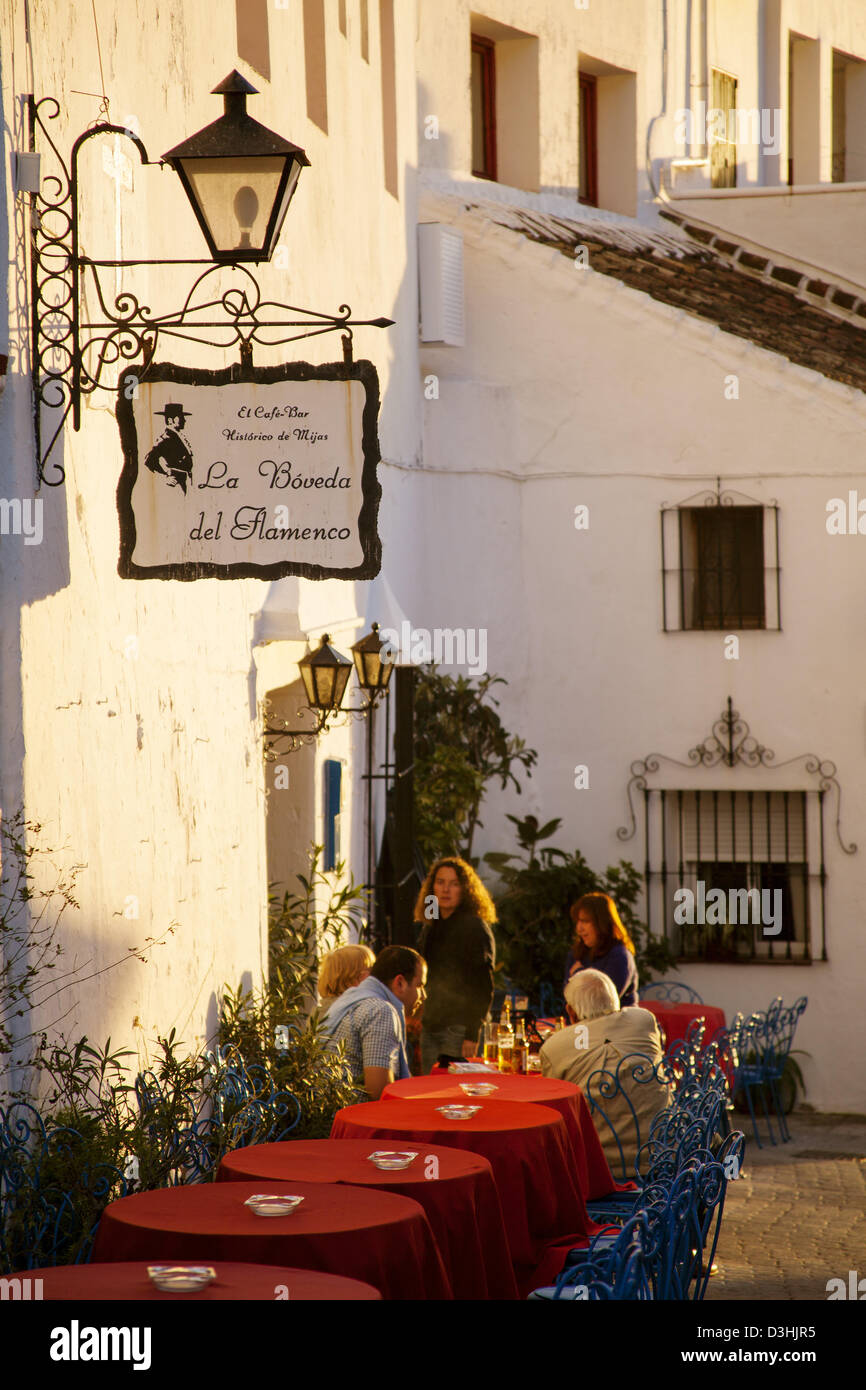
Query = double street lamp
x=325 y=673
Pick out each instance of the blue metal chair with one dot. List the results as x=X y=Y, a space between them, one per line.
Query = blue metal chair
x=751 y=1038
x=50 y=1201
x=670 y=991
x=683 y=1211
x=616 y=1271
x=235 y=1106
x=778 y=1038
x=610 y=1097
x=693 y=1124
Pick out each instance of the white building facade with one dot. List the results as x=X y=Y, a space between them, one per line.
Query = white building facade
x=638 y=440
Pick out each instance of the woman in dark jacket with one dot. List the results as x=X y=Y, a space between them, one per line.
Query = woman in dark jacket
x=456 y=941
x=601 y=942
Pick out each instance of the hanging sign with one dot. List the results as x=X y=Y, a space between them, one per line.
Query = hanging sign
x=270 y=475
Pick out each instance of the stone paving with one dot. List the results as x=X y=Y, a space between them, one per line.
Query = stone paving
x=796 y=1218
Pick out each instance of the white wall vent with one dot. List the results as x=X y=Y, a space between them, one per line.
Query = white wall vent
x=440 y=269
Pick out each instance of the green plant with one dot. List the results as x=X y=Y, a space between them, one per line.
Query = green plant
x=303 y=1063
x=461 y=744
x=534 y=931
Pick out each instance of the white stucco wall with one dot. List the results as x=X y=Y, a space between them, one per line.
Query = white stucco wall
x=573 y=389
x=672 y=51
x=130 y=708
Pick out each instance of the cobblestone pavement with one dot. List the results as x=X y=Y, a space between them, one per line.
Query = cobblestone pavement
x=797 y=1216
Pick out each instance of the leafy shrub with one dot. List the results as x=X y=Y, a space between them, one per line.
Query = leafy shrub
x=534 y=931
x=302 y=1063
x=461 y=744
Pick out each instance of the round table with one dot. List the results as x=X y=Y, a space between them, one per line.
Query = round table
x=592 y=1169
x=377 y=1237
x=238 y=1282
x=675 y=1018
x=526 y=1146
x=456 y=1188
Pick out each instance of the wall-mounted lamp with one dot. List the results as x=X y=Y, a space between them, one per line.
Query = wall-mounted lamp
x=240 y=178
x=374 y=662
x=325 y=673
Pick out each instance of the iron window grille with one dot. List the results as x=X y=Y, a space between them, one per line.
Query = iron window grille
x=744 y=841
x=720 y=564
x=747 y=852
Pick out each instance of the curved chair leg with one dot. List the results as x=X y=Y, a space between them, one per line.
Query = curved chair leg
x=762 y=1092
x=780 y=1110
x=748 y=1090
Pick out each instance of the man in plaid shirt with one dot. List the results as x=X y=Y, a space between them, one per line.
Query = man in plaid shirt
x=370 y=1019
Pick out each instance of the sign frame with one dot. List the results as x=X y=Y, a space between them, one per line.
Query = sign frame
x=371 y=489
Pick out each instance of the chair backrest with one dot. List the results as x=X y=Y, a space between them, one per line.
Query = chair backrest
x=52 y=1190
x=684 y=1217
x=618 y=1272
x=779 y=1030
x=683 y=1055
x=623 y=1102
x=671 y=991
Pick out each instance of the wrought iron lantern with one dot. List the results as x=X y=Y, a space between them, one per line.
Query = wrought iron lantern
x=325 y=673
x=239 y=177
x=374 y=662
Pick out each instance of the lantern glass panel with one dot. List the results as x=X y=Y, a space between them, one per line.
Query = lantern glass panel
x=340 y=682
x=308 y=677
x=368 y=666
x=236 y=197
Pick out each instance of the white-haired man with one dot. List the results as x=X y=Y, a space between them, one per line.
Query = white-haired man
x=601 y=1036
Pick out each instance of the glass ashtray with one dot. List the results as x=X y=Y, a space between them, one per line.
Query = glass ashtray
x=181 y=1278
x=478 y=1088
x=458 y=1112
x=389 y=1159
x=264 y=1204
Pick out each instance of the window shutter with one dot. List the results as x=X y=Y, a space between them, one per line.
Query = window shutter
x=728 y=827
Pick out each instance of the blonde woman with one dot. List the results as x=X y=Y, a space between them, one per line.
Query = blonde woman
x=456 y=913
x=341 y=969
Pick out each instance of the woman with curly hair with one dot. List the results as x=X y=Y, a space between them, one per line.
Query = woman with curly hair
x=456 y=911
x=601 y=942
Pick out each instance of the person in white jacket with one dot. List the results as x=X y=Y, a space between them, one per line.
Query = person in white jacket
x=601 y=1035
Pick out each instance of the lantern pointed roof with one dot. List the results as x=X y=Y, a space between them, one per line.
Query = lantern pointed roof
x=236 y=134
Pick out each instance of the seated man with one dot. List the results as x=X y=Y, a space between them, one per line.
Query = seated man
x=603 y=1034
x=370 y=1018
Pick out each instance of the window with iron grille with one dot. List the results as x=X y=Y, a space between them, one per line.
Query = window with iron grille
x=720 y=567
x=736 y=875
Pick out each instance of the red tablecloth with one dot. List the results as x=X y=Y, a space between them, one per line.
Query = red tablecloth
x=527 y=1148
x=239 y=1282
x=373 y=1236
x=458 y=1193
x=675 y=1018
x=592 y=1169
